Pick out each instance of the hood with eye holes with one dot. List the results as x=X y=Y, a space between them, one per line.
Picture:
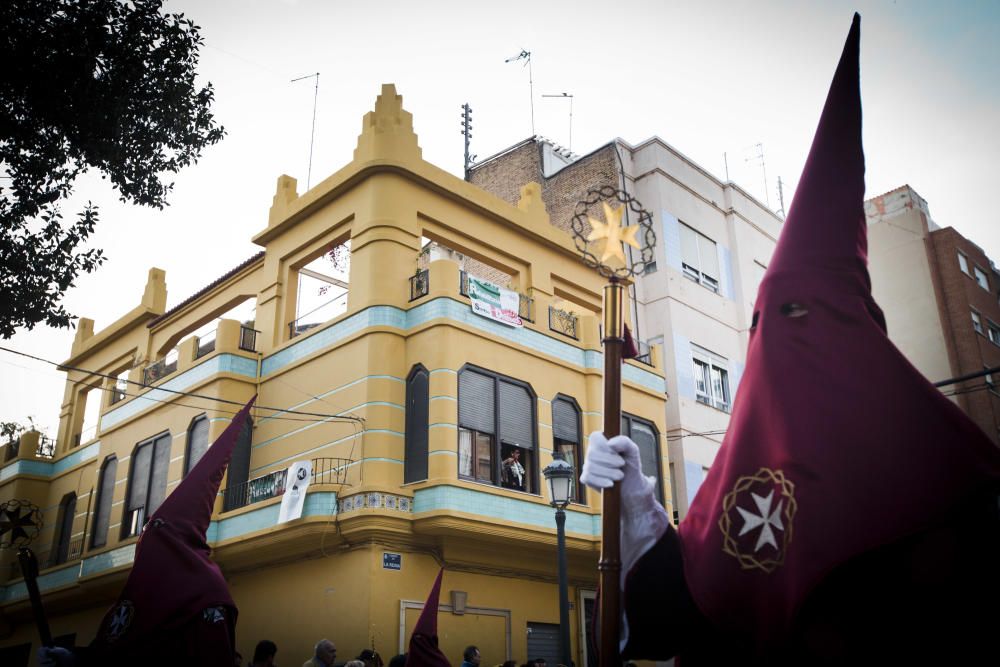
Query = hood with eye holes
x=837 y=445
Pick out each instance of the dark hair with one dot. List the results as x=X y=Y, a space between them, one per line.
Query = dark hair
x=398 y=660
x=470 y=653
x=265 y=649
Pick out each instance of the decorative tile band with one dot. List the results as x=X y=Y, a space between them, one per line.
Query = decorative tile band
x=375 y=500
x=50 y=468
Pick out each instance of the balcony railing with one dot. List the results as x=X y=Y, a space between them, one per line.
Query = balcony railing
x=206 y=345
x=319 y=315
x=48 y=556
x=526 y=306
x=159 y=369
x=419 y=284
x=645 y=353
x=563 y=322
x=248 y=338
x=272 y=485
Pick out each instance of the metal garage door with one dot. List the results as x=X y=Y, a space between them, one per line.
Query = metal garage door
x=543 y=642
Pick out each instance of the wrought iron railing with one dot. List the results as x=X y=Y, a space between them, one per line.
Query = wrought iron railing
x=562 y=321
x=419 y=284
x=248 y=338
x=526 y=306
x=272 y=485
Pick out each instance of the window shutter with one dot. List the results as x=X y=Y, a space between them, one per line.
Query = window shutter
x=517 y=425
x=197 y=442
x=565 y=420
x=415 y=455
x=158 y=478
x=689 y=247
x=105 y=496
x=475 y=401
x=139 y=483
x=709 y=257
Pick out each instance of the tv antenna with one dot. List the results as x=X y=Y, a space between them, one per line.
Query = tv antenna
x=312 y=136
x=759 y=155
x=570 y=98
x=467 y=133
x=526 y=56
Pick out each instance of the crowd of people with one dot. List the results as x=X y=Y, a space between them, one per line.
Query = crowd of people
x=325 y=655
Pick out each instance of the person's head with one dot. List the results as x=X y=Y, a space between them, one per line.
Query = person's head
x=371 y=658
x=355 y=663
x=326 y=652
x=264 y=652
x=510 y=663
x=398 y=660
x=515 y=453
x=471 y=655
x=539 y=662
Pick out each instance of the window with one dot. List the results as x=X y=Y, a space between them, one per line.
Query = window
x=699 y=258
x=711 y=379
x=649 y=268
x=963 y=263
x=977 y=323
x=993 y=331
x=64 y=529
x=105 y=496
x=981 y=278
x=644 y=434
x=197 y=442
x=566 y=438
x=147 y=483
x=415 y=454
x=496 y=430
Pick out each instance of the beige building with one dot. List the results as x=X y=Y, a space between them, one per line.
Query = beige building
x=714 y=241
x=372 y=364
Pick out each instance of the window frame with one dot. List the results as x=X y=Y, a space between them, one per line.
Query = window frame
x=203 y=417
x=963 y=263
x=627 y=421
x=61 y=542
x=498 y=446
x=579 y=489
x=978 y=273
x=697 y=273
x=993 y=332
x=131 y=526
x=977 y=322
x=110 y=462
x=712 y=362
x=415 y=457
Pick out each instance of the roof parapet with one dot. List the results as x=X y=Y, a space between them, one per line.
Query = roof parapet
x=387 y=132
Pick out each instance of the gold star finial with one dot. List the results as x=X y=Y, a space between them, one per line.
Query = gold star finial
x=613 y=233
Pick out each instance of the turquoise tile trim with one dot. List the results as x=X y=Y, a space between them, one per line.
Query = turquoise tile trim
x=447 y=308
x=50 y=468
x=320 y=503
x=442 y=452
x=444 y=370
x=223 y=363
x=47 y=581
x=108 y=560
x=506 y=509
x=444 y=398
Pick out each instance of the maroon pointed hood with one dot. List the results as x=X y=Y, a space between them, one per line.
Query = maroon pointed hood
x=424 y=651
x=837 y=445
x=173 y=577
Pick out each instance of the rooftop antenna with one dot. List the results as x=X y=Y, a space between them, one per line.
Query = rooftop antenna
x=570 y=97
x=526 y=56
x=312 y=136
x=759 y=155
x=467 y=133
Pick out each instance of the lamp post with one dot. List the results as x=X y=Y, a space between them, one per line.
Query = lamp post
x=560 y=476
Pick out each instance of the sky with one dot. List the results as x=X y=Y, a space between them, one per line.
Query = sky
x=713 y=79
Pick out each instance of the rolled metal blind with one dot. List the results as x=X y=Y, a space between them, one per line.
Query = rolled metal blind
x=517 y=425
x=565 y=420
x=475 y=401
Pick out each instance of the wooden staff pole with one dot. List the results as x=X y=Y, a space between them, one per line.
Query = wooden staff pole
x=610 y=563
x=29 y=570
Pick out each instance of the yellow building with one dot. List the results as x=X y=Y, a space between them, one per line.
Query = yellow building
x=378 y=372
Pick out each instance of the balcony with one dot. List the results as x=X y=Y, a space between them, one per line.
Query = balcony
x=48 y=555
x=419 y=284
x=563 y=322
x=526 y=305
x=272 y=485
x=318 y=316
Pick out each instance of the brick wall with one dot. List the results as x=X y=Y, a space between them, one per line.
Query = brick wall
x=973 y=351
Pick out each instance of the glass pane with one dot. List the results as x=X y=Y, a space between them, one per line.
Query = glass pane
x=568 y=450
x=720 y=386
x=139 y=484
x=465 y=452
x=197 y=442
x=645 y=438
x=158 y=478
x=962 y=263
x=484 y=457
x=701 y=377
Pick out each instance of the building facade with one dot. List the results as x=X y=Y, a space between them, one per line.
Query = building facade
x=939 y=292
x=713 y=244
x=369 y=362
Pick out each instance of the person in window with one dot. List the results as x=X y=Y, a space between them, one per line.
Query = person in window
x=513 y=471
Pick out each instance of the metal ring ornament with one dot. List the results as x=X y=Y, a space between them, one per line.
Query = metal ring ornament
x=580 y=226
x=20 y=523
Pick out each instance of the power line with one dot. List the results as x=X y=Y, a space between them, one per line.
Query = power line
x=181 y=393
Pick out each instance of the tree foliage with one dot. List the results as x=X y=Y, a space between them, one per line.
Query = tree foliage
x=87 y=84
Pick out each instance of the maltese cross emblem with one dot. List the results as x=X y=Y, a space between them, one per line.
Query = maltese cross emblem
x=756 y=521
x=121 y=618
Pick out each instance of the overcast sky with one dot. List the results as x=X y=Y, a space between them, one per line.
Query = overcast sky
x=710 y=78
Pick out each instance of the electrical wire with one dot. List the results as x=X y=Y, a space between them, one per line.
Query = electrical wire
x=324 y=417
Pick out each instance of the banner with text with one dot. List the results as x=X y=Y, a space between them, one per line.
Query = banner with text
x=494 y=302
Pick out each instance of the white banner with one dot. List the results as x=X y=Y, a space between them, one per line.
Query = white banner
x=494 y=302
x=296 y=482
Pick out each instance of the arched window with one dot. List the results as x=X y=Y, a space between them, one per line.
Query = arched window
x=415 y=456
x=102 y=508
x=197 y=442
x=147 y=483
x=644 y=434
x=64 y=529
x=566 y=437
x=496 y=430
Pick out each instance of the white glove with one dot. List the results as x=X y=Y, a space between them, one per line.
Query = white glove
x=55 y=656
x=643 y=519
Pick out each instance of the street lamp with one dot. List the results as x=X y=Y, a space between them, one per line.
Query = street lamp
x=560 y=477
